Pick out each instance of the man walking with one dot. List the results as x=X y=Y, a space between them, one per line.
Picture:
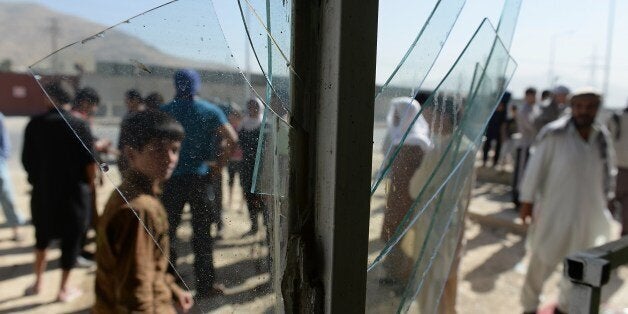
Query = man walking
x=619 y=131
x=525 y=124
x=7 y=200
x=565 y=189
x=552 y=108
x=201 y=157
x=62 y=171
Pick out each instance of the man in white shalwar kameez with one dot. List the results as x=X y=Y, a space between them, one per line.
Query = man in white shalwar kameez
x=567 y=184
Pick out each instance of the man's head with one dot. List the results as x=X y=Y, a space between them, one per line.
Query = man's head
x=154 y=100
x=254 y=107
x=585 y=104
x=530 y=96
x=186 y=83
x=86 y=101
x=560 y=94
x=546 y=94
x=151 y=141
x=57 y=94
x=503 y=103
x=133 y=100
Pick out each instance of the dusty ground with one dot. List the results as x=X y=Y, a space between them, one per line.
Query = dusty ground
x=489 y=280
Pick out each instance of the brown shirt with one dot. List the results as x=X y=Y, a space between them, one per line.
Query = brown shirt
x=131 y=274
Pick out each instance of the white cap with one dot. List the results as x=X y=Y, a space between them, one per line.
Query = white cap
x=587 y=90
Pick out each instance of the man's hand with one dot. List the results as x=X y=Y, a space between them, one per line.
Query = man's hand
x=228 y=142
x=215 y=168
x=184 y=300
x=525 y=211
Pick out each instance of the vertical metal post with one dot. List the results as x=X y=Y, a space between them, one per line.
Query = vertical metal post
x=334 y=49
x=584 y=299
x=590 y=270
x=609 y=45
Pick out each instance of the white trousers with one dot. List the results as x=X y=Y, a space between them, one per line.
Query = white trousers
x=537 y=274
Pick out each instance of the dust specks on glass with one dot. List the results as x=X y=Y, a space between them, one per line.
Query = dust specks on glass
x=231 y=234
x=176 y=59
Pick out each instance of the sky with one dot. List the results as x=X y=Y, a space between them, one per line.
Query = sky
x=577 y=29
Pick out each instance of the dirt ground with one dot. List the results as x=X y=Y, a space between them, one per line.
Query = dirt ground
x=490 y=276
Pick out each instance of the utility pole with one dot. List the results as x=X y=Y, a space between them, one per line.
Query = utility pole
x=593 y=66
x=54 y=41
x=609 y=45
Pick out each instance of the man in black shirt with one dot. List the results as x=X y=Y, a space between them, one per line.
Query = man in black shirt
x=61 y=170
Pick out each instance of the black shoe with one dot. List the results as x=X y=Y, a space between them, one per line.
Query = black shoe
x=204 y=293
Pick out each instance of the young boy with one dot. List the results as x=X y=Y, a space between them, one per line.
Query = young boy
x=133 y=245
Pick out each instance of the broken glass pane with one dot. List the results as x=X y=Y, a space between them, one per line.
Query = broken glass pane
x=408 y=76
x=267 y=26
x=508 y=22
x=132 y=67
x=422 y=207
x=268 y=29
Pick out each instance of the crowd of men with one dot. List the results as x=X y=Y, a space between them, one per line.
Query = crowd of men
x=569 y=171
x=169 y=154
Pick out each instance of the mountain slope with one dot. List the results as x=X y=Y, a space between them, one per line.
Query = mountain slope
x=26 y=34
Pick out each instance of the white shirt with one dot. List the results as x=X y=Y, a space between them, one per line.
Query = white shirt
x=526 y=114
x=566 y=178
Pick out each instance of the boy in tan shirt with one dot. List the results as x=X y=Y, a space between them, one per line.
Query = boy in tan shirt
x=133 y=245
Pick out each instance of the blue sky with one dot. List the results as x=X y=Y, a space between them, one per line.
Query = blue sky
x=577 y=28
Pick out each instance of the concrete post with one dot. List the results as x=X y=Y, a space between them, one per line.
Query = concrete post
x=334 y=48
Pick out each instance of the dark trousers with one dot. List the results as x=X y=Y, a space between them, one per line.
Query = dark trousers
x=233 y=168
x=520 y=164
x=487 y=147
x=70 y=246
x=254 y=202
x=198 y=192
x=620 y=206
x=216 y=182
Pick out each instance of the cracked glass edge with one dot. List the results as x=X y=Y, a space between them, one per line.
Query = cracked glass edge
x=408 y=76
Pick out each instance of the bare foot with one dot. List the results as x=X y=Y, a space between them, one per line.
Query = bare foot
x=69 y=294
x=17 y=236
x=33 y=289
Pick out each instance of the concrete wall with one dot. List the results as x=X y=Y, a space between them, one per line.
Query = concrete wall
x=112 y=89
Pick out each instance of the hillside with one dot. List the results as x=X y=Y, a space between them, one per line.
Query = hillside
x=25 y=29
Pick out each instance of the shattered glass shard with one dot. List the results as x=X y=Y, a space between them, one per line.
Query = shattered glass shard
x=407 y=78
x=425 y=201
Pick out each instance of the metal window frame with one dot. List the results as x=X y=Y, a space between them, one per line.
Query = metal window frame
x=334 y=52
